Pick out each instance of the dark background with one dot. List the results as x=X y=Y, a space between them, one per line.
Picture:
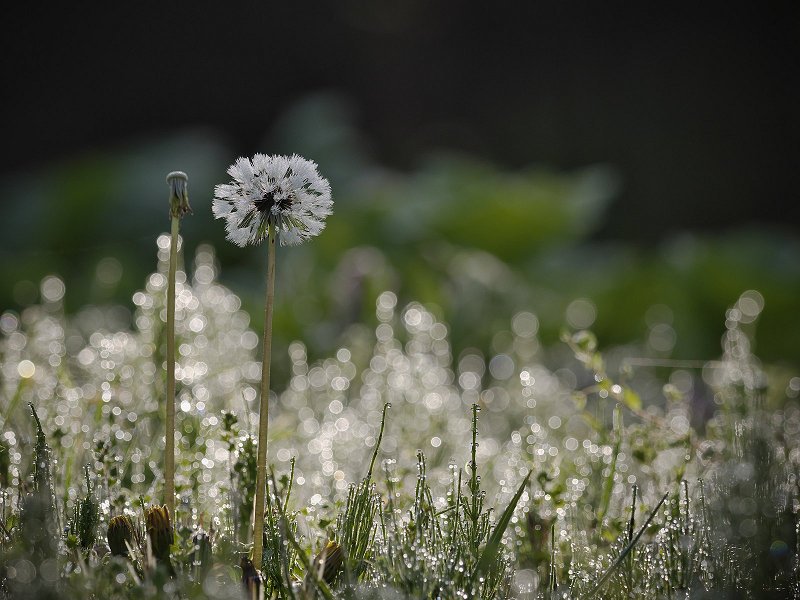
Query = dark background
x=485 y=159
x=695 y=104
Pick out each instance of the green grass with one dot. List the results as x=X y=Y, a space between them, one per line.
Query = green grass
x=575 y=477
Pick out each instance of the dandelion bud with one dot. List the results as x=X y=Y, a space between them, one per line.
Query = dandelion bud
x=120 y=535
x=159 y=530
x=329 y=560
x=178 y=183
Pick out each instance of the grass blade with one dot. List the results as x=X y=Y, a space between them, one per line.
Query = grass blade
x=493 y=545
x=625 y=552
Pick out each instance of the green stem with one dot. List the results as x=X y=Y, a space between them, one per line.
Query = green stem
x=386 y=407
x=263 y=417
x=591 y=593
x=474 y=486
x=169 y=446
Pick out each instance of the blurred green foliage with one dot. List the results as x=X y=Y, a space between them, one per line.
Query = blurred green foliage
x=475 y=242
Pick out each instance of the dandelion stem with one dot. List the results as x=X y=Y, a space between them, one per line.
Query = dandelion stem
x=178 y=206
x=263 y=418
x=169 y=446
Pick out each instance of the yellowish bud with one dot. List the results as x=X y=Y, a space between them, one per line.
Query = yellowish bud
x=120 y=535
x=159 y=530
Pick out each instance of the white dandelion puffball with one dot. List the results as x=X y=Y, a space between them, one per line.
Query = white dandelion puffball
x=284 y=191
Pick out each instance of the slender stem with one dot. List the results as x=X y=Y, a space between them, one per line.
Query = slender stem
x=591 y=593
x=474 y=487
x=386 y=407
x=169 y=446
x=263 y=417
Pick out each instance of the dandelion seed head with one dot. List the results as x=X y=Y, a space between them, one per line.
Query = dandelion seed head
x=285 y=192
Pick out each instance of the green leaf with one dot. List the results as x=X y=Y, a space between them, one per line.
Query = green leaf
x=585 y=341
x=631 y=399
x=608 y=485
x=493 y=545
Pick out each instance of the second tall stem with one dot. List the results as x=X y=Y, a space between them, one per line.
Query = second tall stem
x=169 y=440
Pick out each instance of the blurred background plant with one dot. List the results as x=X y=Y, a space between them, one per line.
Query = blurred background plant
x=475 y=242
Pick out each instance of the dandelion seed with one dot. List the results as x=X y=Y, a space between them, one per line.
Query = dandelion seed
x=285 y=192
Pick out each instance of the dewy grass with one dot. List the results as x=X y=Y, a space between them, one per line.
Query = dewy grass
x=356 y=527
x=624 y=552
x=86 y=517
x=452 y=552
x=178 y=207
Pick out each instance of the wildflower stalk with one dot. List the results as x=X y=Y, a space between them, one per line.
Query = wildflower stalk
x=263 y=418
x=179 y=205
x=169 y=449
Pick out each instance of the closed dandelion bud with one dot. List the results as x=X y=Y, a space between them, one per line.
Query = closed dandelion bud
x=120 y=535
x=329 y=561
x=159 y=530
x=178 y=183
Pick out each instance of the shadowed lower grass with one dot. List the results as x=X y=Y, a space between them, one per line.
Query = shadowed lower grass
x=383 y=547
